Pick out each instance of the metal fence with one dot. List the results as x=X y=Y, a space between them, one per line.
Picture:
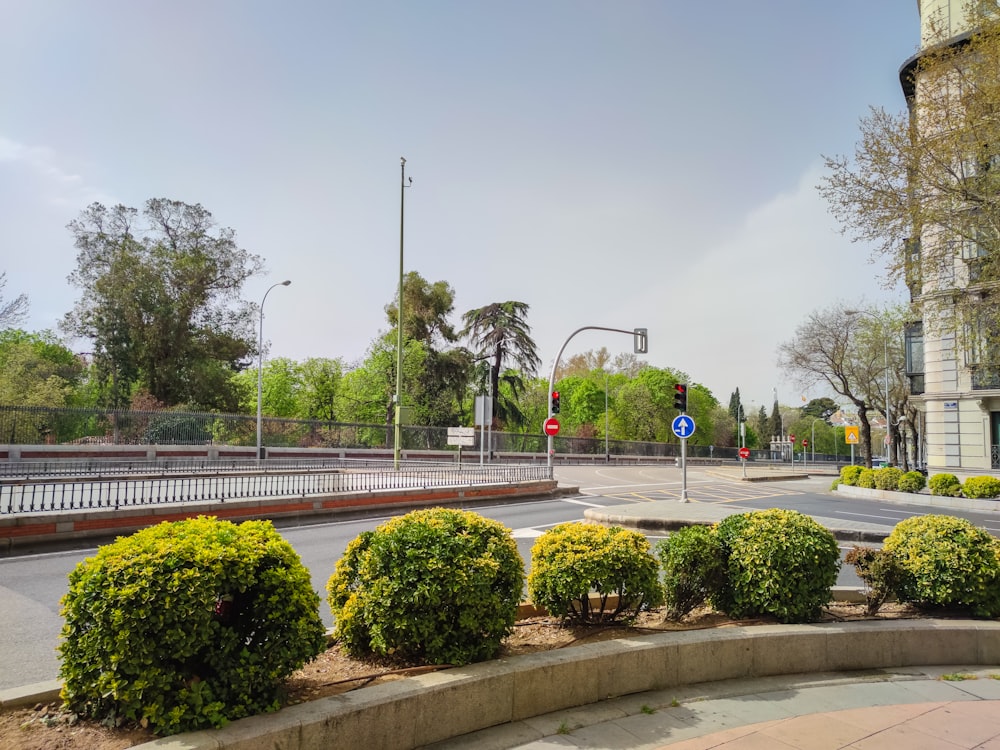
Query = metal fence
x=74 y=495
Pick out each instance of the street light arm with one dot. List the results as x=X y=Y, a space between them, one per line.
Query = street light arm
x=260 y=363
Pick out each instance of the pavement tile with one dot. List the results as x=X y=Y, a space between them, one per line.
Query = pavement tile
x=965 y=724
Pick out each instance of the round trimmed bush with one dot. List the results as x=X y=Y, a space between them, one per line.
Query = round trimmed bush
x=912 y=481
x=946 y=485
x=571 y=560
x=187 y=625
x=947 y=562
x=778 y=562
x=981 y=487
x=887 y=478
x=692 y=565
x=866 y=478
x=849 y=474
x=437 y=586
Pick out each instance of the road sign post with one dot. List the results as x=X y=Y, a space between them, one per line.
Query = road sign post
x=683 y=427
x=551 y=426
x=744 y=455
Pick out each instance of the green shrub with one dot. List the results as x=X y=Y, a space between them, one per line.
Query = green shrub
x=983 y=486
x=887 y=478
x=692 y=565
x=438 y=586
x=946 y=485
x=866 y=478
x=571 y=560
x=187 y=625
x=778 y=562
x=878 y=571
x=849 y=474
x=947 y=562
x=912 y=481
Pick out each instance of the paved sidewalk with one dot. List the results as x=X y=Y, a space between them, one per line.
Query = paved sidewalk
x=911 y=708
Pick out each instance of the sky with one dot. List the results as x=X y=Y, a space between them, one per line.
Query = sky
x=621 y=164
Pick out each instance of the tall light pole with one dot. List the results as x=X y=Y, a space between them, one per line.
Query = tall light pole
x=888 y=410
x=397 y=432
x=260 y=364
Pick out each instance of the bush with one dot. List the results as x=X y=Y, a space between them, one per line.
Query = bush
x=947 y=562
x=912 y=481
x=887 y=478
x=878 y=570
x=778 y=562
x=946 y=485
x=984 y=486
x=438 y=586
x=572 y=559
x=866 y=478
x=691 y=561
x=849 y=475
x=187 y=625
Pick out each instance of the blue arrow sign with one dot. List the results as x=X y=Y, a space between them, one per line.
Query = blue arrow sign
x=683 y=426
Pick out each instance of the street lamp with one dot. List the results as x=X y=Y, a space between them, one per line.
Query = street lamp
x=260 y=362
x=885 y=342
x=397 y=431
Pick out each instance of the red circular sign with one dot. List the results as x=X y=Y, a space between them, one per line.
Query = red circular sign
x=551 y=426
x=744 y=453
x=791 y=439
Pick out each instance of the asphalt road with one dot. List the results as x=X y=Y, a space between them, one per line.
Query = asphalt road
x=31 y=586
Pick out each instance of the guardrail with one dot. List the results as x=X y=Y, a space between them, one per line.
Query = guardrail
x=114 y=494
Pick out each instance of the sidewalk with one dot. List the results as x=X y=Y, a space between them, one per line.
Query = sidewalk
x=908 y=708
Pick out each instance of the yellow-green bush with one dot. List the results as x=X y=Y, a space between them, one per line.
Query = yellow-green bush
x=187 y=625
x=778 y=562
x=912 y=481
x=866 y=478
x=887 y=478
x=945 y=484
x=947 y=562
x=849 y=474
x=692 y=564
x=981 y=487
x=571 y=560
x=440 y=586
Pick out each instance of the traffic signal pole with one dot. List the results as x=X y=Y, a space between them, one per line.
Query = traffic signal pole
x=640 y=346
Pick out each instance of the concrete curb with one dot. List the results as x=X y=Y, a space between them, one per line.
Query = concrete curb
x=418 y=711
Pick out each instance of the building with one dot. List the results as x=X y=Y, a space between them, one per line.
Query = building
x=952 y=354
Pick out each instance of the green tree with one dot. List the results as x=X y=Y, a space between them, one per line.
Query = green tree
x=36 y=369
x=820 y=407
x=161 y=302
x=499 y=333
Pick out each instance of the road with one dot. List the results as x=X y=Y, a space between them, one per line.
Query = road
x=31 y=586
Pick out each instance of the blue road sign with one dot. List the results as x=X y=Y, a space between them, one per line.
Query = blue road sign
x=683 y=426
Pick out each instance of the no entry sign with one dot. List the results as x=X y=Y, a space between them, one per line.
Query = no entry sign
x=551 y=426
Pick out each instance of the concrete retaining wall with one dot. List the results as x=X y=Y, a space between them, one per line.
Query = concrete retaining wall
x=429 y=708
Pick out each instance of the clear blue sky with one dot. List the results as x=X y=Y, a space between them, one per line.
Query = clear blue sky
x=616 y=163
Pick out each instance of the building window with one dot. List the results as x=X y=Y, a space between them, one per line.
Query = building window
x=914 y=343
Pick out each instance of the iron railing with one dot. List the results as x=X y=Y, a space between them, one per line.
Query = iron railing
x=116 y=494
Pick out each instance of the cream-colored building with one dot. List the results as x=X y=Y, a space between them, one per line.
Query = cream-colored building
x=954 y=383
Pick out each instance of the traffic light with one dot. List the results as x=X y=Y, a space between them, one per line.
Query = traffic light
x=555 y=402
x=681 y=397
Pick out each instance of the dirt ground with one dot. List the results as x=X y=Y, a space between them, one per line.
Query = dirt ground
x=47 y=727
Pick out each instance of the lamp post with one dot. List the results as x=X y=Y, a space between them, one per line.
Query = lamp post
x=888 y=410
x=397 y=431
x=260 y=364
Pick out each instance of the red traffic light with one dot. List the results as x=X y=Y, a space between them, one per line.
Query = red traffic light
x=680 y=396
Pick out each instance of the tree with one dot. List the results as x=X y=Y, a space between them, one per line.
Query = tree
x=161 y=302
x=12 y=311
x=820 y=407
x=36 y=369
x=775 y=426
x=500 y=333
x=834 y=347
